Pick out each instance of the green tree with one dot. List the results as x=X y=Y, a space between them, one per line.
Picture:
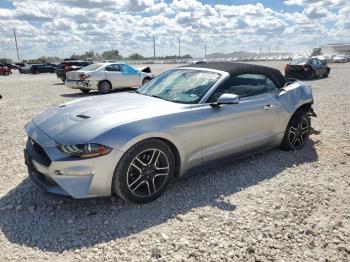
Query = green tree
x=136 y=56
x=111 y=54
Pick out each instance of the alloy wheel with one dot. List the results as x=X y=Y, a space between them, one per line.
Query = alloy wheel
x=148 y=173
x=299 y=133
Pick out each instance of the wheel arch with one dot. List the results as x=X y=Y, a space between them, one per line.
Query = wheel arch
x=146 y=77
x=175 y=153
x=174 y=146
x=305 y=108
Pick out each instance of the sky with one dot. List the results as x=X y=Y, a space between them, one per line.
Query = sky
x=63 y=27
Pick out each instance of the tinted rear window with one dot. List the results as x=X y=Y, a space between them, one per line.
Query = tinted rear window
x=298 y=61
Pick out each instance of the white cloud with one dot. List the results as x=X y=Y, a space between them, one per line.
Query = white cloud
x=61 y=27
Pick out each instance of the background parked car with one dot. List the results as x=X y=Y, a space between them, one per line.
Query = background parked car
x=339 y=59
x=306 y=68
x=107 y=76
x=68 y=66
x=25 y=69
x=41 y=68
x=5 y=70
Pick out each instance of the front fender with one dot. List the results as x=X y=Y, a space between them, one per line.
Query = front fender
x=124 y=137
x=295 y=95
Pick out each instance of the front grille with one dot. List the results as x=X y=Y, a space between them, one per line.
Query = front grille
x=38 y=148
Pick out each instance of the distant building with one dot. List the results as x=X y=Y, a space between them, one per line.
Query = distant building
x=333 y=49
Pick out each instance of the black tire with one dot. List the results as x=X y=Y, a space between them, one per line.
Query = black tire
x=297 y=132
x=312 y=75
x=326 y=74
x=104 y=87
x=138 y=183
x=146 y=80
x=85 y=90
x=63 y=80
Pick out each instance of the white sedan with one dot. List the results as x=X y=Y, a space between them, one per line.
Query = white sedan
x=107 y=76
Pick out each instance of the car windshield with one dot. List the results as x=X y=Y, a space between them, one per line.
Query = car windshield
x=91 y=67
x=186 y=86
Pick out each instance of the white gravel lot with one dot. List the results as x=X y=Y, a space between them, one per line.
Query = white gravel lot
x=274 y=206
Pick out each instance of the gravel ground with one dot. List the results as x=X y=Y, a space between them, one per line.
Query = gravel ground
x=274 y=206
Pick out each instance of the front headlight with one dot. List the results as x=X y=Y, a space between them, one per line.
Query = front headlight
x=85 y=150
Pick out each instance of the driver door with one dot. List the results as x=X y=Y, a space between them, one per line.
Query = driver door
x=231 y=129
x=114 y=75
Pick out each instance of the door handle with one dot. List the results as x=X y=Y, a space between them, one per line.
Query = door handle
x=268 y=107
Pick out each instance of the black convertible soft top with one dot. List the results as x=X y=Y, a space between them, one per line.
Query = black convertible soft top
x=241 y=68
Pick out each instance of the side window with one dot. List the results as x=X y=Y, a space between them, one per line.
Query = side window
x=313 y=62
x=113 y=68
x=126 y=69
x=319 y=62
x=244 y=86
x=270 y=85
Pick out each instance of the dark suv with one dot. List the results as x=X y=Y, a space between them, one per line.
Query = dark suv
x=67 y=66
x=41 y=68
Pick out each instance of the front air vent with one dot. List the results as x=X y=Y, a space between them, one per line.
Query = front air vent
x=44 y=158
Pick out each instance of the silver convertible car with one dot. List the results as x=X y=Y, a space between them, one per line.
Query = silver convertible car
x=134 y=143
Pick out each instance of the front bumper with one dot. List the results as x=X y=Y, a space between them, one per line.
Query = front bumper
x=58 y=174
x=82 y=84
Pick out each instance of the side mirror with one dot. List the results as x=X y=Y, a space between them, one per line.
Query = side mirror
x=226 y=99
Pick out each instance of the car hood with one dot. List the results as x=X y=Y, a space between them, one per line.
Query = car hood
x=82 y=121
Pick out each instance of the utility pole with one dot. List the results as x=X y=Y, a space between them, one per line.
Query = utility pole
x=14 y=33
x=154 y=48
x=179 y=47
x=205 y=50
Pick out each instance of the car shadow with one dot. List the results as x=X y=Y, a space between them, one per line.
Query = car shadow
x=27 y=217
x=94 y=93
x=58 y=84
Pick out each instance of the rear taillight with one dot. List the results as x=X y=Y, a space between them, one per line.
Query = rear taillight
x=67 y=68
x=286 y=67
x=83 y=76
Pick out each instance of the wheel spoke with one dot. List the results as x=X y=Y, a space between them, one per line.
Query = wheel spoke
x=293 y=141
x=135 y=166
x=136 y=184
x=154 y=186
x=305 y=128
x=162 y=168
x=304 y=132
x=154 y=158
x=292 y=132
x=140 y=161
x=148 y=188
x=160 y=174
